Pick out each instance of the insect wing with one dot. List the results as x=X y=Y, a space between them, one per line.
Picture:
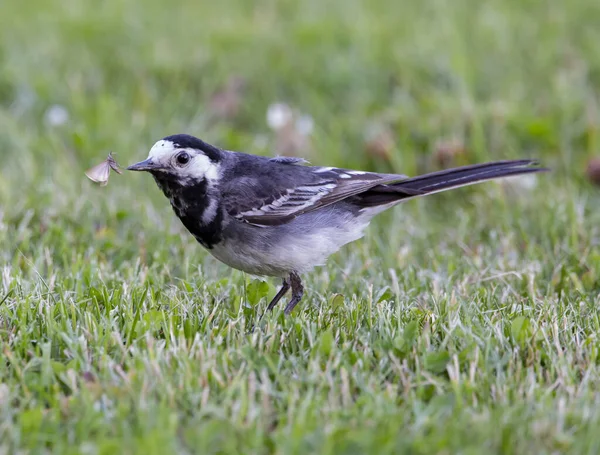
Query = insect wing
x=113 y=164
x=99 y=173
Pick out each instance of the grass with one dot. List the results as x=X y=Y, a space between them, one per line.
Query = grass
x=463 y=323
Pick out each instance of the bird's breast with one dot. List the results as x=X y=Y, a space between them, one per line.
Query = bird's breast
x=203 y=221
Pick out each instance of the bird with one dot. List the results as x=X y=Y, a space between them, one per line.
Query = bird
x=279 y=216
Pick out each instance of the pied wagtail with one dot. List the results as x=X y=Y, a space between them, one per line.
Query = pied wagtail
x=279 y=217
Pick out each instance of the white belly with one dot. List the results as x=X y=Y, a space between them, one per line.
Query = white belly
x=299 y=245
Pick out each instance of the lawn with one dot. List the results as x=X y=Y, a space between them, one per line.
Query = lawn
x=465 y=322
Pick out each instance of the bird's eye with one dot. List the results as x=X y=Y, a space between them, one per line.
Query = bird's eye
x=182 y=158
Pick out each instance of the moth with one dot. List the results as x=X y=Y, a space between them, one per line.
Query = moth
x=101 y=172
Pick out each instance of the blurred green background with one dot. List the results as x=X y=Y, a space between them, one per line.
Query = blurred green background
x=465 y=323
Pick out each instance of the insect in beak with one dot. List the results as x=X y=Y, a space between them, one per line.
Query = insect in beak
x=101 y=172
x=146 y=165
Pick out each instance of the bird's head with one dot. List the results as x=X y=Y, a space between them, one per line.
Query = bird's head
x=181 y=160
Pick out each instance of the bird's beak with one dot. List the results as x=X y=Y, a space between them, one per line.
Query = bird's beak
x=146 y=165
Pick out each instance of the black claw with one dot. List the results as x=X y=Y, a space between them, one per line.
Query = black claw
x=293 y=282
x=285 y=286
x=297 y=292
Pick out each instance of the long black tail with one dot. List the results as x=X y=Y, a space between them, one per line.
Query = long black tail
x=446 y=180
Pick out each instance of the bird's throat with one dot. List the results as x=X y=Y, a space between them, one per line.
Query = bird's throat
x=198 y=207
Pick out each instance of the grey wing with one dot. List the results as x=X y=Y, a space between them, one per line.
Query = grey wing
x=281 y=196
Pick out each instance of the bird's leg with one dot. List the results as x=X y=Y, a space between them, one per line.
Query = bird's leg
x=285 y=286
x=297 y=292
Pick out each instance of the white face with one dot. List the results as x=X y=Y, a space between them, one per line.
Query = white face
x=185 y=163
